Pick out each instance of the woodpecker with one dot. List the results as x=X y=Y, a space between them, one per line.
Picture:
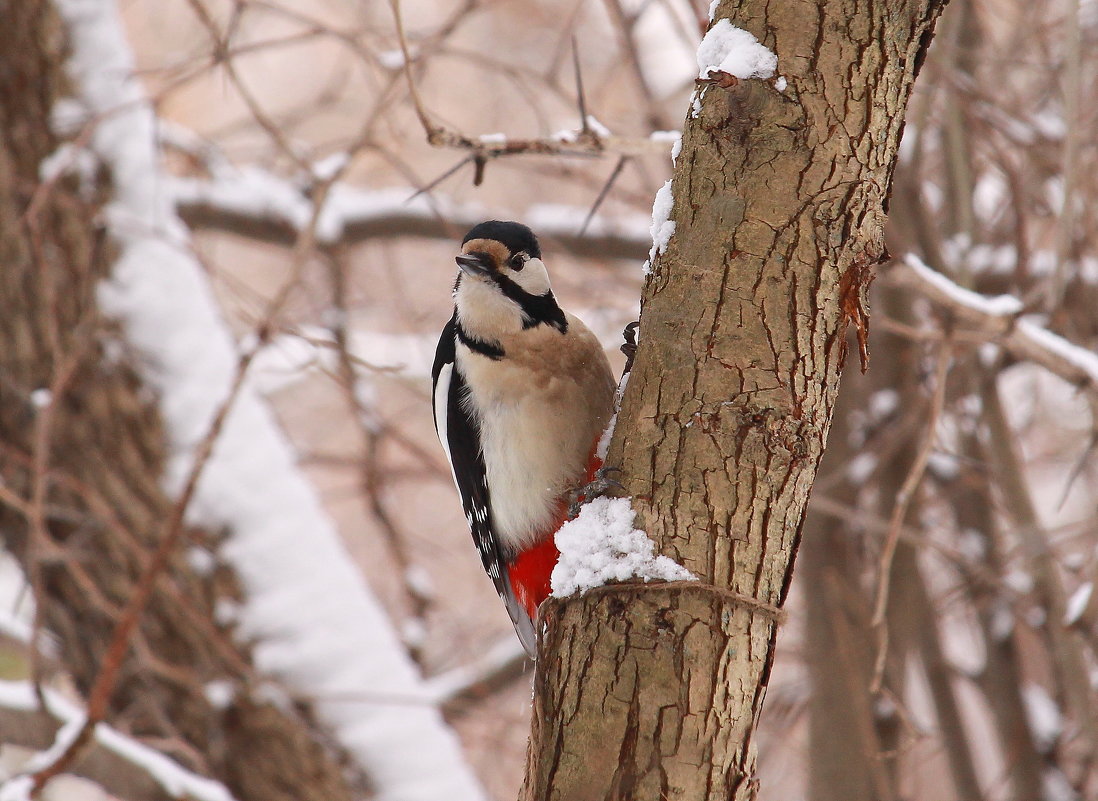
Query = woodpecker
x=522 y=392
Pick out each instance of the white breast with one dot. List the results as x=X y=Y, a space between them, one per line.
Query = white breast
x=536 y=437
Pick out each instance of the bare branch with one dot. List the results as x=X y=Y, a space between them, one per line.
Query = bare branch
x=121 y=765
x=603 y=193
x=899 y=511
x=587 y=141
x=372 y=478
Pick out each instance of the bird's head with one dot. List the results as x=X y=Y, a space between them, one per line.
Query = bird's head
x=504 y=252
x=503 y=283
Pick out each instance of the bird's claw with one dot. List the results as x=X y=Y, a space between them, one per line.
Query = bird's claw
x=630 y=346
x=593 y=489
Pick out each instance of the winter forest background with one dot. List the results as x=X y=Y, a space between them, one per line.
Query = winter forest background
x=282 y=234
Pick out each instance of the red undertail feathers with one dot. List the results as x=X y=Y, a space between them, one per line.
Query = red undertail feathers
x=531 y=570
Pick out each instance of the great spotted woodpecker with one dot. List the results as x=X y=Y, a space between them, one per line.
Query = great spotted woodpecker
x=522 y=391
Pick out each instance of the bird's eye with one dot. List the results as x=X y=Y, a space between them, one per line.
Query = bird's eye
x=517 y=262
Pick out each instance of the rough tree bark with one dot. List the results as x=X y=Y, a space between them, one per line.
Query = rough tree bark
x=80 y=464
x=653 y=692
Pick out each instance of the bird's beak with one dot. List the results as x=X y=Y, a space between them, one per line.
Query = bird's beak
x=475 y=263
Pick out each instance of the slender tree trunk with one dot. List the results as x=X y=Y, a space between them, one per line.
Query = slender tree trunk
x=81 y=454
x=845 y=761
x=653 y=692
x=1065 y=644
x=844 y=752
x=1001 y=679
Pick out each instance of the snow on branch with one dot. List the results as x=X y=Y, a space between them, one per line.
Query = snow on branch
x=727 y=55
x=253 y=202
x=257 y=204
x=120 y=764
x=315 y=624
x=1001 y=318
x=500 y=664
x=593 y=139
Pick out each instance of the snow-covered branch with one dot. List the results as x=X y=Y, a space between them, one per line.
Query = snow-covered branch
x=120 y=764
x=498 y=665
x=1002 y=319
x=259 y=205
x=594 y=139
x=316 y=625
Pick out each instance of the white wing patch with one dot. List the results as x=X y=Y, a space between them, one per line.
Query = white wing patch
x=441 y=404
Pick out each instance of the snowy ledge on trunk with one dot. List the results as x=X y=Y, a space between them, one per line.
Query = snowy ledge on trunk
x=728 y=50
x=601 y=546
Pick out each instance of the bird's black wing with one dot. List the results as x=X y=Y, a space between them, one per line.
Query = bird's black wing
x=457 y=430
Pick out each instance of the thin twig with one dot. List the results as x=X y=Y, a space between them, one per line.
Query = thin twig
x=429 y=128
x=581 y=99
x=602 y=194
x=425 y=190
x=1072 y=74
x=221 y=57
x=626 y=26
x=373 y=432
x=584 y=142
x=899 y=511
x=40 y=540
x=100 y=694
x=1077 y=468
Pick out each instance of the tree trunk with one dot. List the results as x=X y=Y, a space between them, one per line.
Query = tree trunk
x=1002 y=678
x=779 y=198
x=81 y=453
x=844 y=750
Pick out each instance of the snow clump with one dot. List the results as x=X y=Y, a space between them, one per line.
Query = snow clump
x=601 y=545
x=727 y=48
x=662 y=225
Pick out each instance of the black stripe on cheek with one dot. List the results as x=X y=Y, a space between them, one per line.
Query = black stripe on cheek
x=490 y=349
x=538 y=309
